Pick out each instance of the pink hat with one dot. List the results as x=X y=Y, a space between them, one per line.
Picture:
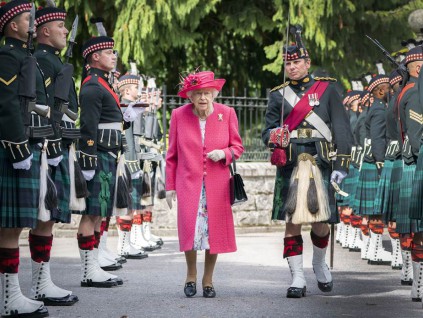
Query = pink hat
x=200 y=80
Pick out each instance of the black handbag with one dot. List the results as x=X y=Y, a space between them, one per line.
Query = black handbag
x=236 y=185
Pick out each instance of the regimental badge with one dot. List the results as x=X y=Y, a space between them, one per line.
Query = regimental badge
x=313 y=100
x=90 y=142
x=220 y=117
x=302 y=51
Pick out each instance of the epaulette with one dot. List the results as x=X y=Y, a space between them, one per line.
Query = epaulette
x=280 y=86
x=330 y=79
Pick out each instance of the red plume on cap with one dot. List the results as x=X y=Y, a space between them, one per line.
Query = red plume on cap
x=3 y=3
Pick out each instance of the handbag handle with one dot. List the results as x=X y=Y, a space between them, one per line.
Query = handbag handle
x=233 y=170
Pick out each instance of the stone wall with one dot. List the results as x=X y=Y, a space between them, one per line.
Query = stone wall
x=259 y=180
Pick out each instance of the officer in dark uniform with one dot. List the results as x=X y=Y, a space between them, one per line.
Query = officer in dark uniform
x=51 y=37
x=313 y=150
x=408 y=218
x=20 y=133
x=100 y=145
x=371 y=168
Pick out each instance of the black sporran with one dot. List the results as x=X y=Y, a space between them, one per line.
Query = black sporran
x=236 y=185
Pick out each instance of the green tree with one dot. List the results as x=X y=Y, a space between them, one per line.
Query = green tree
x=242 y=40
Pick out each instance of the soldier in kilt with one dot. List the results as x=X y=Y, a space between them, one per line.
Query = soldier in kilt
x=349 y=233
x=101 y=124
x=371 y=168
x=51 y=37
x=308 y=151
x=21 y=134
x=408 y=223
x=387 y=195
x=359 y=134
x=128 y=89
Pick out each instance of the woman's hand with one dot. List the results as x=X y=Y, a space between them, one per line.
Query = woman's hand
x=216 y=155
x=170 y=196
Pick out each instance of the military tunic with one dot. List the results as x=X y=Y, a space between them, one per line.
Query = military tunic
x=331 y=111
x=101 y=123
x=19 y=189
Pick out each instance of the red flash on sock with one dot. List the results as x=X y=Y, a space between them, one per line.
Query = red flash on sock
x=9 y=260
x=293 y=246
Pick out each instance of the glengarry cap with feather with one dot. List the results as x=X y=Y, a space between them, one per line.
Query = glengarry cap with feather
x=298 y=50
x=49 y=13
x=10 y=10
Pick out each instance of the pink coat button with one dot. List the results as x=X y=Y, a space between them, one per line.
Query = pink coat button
x=205 y=173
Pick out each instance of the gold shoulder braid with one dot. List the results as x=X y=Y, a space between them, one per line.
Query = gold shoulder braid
x=330 y=79
x=280 y=86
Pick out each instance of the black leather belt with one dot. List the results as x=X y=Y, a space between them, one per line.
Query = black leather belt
x=71 y=133
x=39 y=132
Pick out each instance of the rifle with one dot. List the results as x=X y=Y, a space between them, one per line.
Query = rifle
x=63 y=82
x=400 y=66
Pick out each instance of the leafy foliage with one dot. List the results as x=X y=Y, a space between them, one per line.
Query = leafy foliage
x=242 y=40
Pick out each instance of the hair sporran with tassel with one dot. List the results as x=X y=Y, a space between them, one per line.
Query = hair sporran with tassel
x=307 y=200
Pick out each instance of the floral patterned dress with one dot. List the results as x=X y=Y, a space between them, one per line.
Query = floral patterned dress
x=201 y=238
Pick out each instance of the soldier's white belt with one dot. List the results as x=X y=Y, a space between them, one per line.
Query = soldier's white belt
x=115 y=126
x=306 y=133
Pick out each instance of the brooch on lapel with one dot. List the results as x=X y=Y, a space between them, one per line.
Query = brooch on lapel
x=220 y=117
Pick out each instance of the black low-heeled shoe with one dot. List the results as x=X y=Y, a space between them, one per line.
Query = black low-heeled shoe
x=190 y=289
x=296 y=292
x=209 y=292
x=325 y=287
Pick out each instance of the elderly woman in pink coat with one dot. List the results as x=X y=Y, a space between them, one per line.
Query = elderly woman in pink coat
x=203 y=135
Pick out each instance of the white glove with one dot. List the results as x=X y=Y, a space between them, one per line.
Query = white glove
x=24 y=164
x=170 y=196
x=131 y=113
x=216 y=155
x=337 y=176
x=88 y=174
x=55 y=161
x=136 y=175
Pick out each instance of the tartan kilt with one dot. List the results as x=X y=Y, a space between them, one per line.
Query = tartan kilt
x=348 y=186
x=61 y=178
x=282 y=181
x=136 y=193
x=382 y=193
x=416 y=205
x=19 y=188
x=353 y=190
x=366 y=189
x=393 y=199
x=101 y=187
x=404 y=224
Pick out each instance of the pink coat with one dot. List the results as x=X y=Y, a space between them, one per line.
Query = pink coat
x=186 y=166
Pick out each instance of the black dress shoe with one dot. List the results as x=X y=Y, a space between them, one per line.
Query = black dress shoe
x=209 y=292
x=39 y=313
x=416 y=299
x=68 y=300
x=106 y=284
x=295 y=292
x=137 y=256
x=121 y=260
x=190 y=289
x=325 y=287
x=407 y=282
x=113 y=267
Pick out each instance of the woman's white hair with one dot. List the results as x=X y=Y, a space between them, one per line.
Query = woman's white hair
x=215 y=92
